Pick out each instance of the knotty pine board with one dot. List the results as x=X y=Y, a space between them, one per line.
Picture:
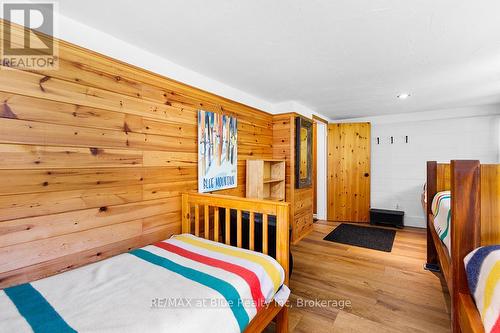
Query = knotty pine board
x=301 y=200
x=93 y=157
x=349 y=172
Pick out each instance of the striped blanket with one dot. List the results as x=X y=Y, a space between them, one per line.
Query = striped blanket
x=184 y=284
x=483 y=274
x=441 y=209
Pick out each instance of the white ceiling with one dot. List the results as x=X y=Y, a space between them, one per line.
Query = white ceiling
x=341 y=58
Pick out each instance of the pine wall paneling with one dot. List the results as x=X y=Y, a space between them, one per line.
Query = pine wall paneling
x=93 y=157
x=301 y=200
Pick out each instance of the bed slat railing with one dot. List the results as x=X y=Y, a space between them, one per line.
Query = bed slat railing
x=228 y=226
x=264 y=234
x=197 y=220
x=216 y=223
x=206 y=218
x=251 y=236
x=214 y=203
x=238 y=227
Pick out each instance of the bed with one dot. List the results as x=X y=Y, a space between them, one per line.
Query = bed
x=188 y=283
x=441 y=212
x=463 y=224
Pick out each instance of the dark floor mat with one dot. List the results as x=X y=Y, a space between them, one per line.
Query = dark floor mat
x=368 y=237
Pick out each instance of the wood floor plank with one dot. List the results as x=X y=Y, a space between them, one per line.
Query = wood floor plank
x=349 y=323
x=388 y=292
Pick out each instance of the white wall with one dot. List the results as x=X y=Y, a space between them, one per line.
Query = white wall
x=399 y=169
x=321 y=170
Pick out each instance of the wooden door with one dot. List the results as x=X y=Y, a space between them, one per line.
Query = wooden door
x=315 y=167
x=349 y=172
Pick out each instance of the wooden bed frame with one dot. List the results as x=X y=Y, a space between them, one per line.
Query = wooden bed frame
x=475 y=203
x=201 y=226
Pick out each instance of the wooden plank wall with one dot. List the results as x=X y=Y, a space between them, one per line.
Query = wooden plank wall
x=301 y=200
x=283 y=148
x=93 y=157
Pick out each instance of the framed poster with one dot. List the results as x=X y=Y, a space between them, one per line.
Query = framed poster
x=217 y=151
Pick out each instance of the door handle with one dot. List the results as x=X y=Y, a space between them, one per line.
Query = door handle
x=367 y=174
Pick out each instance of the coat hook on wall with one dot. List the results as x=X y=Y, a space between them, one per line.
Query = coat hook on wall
x=392 y=140
x=406 y=139
x=378 y=140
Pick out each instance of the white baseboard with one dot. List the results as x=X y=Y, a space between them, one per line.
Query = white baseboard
x=414 y=221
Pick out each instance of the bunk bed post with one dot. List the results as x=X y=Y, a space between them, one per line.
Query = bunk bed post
x=431 y=186
x=465 y=227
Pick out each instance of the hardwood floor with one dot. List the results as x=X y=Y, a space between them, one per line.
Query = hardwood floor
x=389 y=292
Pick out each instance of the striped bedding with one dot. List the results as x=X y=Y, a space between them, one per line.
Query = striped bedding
x=184 y=284
x=441 y=209
x=483 y=274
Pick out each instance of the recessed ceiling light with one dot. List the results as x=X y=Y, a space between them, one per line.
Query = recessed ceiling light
x=403 y=96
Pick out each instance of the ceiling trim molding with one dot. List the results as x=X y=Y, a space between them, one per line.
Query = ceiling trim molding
x=318 y=118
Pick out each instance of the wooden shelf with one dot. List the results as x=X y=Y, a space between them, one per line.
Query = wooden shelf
x=266 y=179
x=271 y=180
x=274 y=199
